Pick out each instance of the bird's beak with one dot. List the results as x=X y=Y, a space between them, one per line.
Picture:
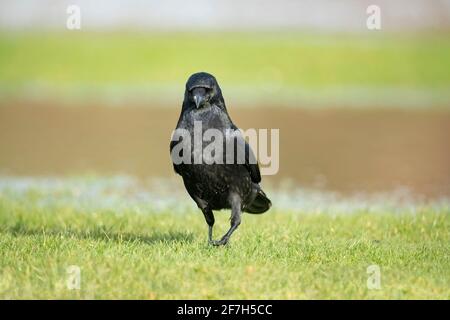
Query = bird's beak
x=198 y=100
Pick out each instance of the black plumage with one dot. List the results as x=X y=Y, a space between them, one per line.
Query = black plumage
x=216 y=186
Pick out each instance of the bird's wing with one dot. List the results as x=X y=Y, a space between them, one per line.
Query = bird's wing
x=253 y=168
x=250 y=160
x=175 y=167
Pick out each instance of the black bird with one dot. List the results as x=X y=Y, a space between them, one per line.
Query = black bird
x=214 y=186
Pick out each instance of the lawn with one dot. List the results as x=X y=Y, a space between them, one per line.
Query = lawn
x=130 y=252
x=342 y=68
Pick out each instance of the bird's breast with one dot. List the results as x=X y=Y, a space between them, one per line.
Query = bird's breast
x=211 y=117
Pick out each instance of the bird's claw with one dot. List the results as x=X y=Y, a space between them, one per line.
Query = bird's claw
x=220 y=242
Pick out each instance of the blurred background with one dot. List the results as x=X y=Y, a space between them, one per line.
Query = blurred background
x=358 y=110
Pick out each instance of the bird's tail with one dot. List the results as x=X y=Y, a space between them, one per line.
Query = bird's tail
x=260 y=203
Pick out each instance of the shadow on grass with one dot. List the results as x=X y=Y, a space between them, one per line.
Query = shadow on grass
x=101 y=234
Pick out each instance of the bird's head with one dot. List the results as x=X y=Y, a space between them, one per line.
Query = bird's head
x=202 y=90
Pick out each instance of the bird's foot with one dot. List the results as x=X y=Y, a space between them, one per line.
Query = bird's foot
x=220 y=242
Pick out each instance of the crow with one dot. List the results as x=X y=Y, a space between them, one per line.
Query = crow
x=221 y=184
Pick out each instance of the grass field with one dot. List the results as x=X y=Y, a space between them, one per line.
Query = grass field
x=127 y=251
x=392 y=68
x=132 y=243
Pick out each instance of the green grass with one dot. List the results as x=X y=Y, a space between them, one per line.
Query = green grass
x=155 y=255
x=78 y=63
x=304 y=60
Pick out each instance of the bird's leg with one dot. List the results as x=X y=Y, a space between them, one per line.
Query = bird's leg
x=235 y=220
x=209 y=217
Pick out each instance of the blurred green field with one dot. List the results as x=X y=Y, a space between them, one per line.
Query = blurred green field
x=289 y=65
x=124 y=252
